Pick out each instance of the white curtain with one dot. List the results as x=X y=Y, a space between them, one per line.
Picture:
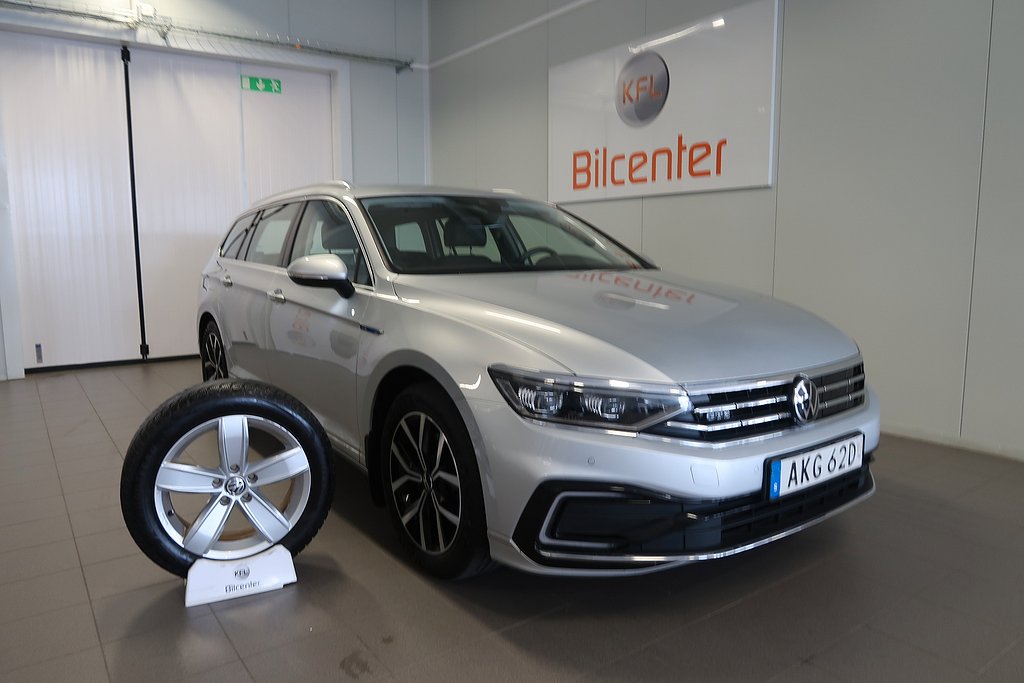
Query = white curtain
x=186 y=116
x=64 y=132
x=287 y=135
x=204 y=150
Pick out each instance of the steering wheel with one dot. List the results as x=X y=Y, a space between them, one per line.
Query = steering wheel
x=530 y=253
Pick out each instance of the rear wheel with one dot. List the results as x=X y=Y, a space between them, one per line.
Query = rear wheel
x=432 y=484
x=211 y=352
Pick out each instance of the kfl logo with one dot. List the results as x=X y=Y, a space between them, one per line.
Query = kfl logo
x=641 y=89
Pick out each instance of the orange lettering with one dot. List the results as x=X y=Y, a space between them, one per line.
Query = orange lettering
x=637 y=161
x=615 y=179
x=718 y=155
x=580 y=168
x=698 y=153
x=665 y=152
x=680 y=149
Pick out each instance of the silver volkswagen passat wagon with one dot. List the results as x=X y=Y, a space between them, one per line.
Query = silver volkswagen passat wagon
x=519 y=386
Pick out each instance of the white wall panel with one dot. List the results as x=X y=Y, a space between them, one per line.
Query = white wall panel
x=286 y=136
x=621 y=219
x=512 y=122
x=725 y=237
x=188 y=160
x=374 y=115
x=995 y=370
x=880 y=155
x=66 y=143
x=453 y=131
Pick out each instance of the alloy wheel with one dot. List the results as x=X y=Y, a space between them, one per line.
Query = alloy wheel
x=232 y=487
x=425 y=483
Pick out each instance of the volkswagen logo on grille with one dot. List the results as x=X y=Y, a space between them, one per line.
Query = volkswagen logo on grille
x=805 y=400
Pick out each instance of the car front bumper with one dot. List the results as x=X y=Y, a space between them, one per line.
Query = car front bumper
x=562 y=500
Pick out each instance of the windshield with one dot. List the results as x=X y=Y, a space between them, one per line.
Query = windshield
x=450 y=234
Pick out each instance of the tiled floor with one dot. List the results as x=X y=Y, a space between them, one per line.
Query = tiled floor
x=925 y=581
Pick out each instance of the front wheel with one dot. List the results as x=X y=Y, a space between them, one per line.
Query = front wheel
x=432 y=484
x=223 y=471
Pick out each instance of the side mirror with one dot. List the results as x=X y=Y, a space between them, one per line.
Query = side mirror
x=322 y=270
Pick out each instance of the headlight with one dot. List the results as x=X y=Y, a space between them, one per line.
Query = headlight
x=589 y=401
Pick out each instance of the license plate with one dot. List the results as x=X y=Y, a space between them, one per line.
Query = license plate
x=792 y=473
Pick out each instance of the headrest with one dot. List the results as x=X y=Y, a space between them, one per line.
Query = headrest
x=459 y=234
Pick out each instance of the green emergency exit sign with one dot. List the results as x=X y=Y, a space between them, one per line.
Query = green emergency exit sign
x=260 y=84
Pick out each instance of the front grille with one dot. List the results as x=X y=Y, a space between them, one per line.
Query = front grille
x=760 y=408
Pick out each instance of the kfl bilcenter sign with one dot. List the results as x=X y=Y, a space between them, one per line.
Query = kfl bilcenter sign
x=688 y=110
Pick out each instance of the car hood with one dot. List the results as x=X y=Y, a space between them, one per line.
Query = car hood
x=636 y=325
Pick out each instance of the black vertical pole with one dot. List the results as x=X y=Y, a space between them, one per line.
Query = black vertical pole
x=126 y=57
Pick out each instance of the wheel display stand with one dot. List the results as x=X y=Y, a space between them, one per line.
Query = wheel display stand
x=216 y=580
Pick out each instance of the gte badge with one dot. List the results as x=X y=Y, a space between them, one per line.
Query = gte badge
x=641 y=89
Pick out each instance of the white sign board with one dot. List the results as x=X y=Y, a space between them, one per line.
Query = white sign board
x=687 y=110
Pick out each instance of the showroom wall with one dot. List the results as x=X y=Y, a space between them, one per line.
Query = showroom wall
x=372 y=127
x=895 y=209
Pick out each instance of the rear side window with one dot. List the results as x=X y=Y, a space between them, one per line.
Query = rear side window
x=270 y=233
x=232 y=245
x=325 y=229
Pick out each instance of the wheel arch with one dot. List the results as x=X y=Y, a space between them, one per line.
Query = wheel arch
x=414 y=369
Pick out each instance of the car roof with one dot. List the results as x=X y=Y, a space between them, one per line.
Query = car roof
x=341 y=188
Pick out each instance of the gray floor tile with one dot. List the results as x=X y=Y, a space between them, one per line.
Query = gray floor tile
x=124 y=574
x=922 y=582
x=169 y=654
x=32 y=510
x=94 y=521
x=958 y=638
x=87 y=666
x=40 y=594
x=106 y=545
x=36 y=561
x=867 y=655
x=140 y=611
x=46 y=637
x=332 y=655
x=90 y=481
x=258 y=623
x=38 y=532
x=1008 y=667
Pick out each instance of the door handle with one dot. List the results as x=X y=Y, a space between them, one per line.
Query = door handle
x=226 y=281
x=276 y=295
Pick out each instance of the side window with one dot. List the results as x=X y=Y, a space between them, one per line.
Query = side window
x=269 y=235
x=232 y=245
x=326 y=229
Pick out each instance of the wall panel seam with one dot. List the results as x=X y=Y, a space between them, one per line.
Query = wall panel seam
x=977 y=221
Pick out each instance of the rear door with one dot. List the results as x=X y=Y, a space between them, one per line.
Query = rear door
x=249 y=285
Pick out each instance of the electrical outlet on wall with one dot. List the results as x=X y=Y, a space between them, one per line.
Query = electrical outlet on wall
x=39 y=353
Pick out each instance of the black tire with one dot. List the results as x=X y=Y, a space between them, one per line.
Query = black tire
x=412 y=432
x=285 y=466
x=212 y=354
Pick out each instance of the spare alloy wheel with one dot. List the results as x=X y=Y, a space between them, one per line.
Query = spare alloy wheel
x=223 y=471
